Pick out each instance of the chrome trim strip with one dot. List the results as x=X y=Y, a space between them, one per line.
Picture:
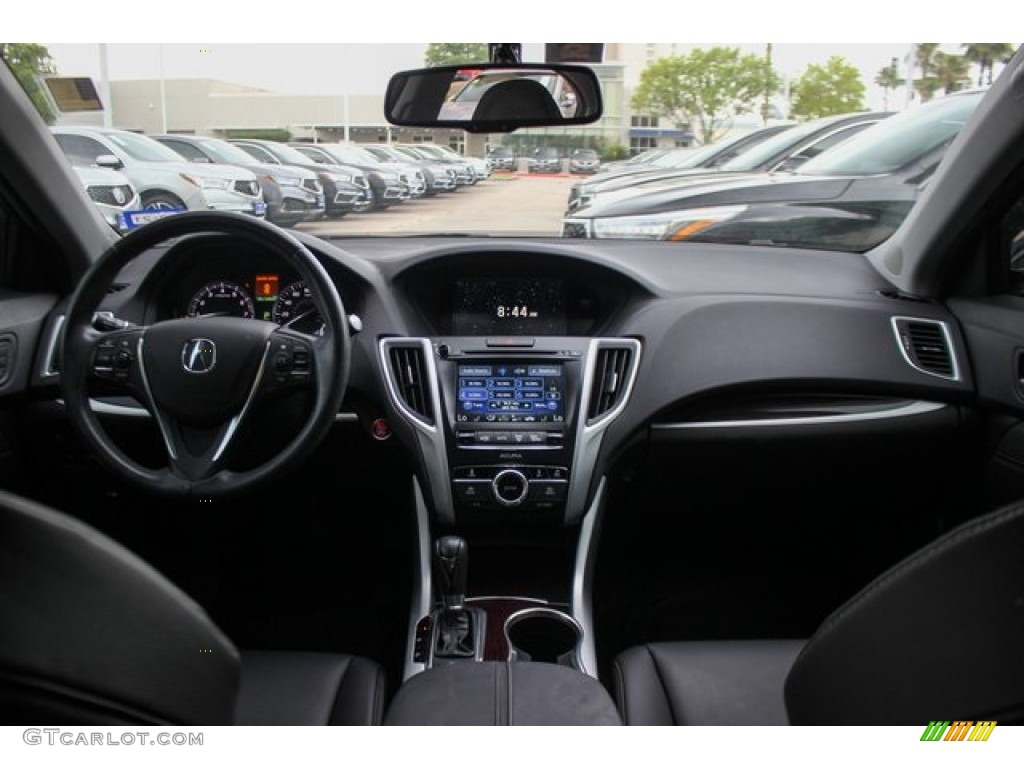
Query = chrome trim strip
x=588 y=437
x=233 y=424
x=945 y=334
x=516 y=447
x=113 y=409
x=430 y=436
x=128 y=411
x=50 y=364
x=518 y=598
x=583 y=581
x=422 y=587
x=168 y=443
x=915 y=408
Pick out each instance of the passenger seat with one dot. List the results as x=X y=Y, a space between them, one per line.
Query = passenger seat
x=940 y=635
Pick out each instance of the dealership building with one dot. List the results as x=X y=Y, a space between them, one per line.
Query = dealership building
x=216 y=108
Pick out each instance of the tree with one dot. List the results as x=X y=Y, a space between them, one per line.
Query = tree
x=30 y=62
x=952 y=71
x=927 y=85
x=888 y=79
x=829 y=89
x=705 y=88
x=442 y=54
x=986 y=55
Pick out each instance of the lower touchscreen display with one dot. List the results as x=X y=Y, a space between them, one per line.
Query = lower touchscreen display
x=521 y=393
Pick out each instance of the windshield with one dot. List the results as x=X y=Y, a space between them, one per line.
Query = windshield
x=898 y=141
x=767 y=149
x=144 y=148
x=344 y=154
x=223 y=152
x=289 y=155
x=273 y=98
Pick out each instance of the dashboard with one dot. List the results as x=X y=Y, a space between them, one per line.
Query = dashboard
x=515 y=372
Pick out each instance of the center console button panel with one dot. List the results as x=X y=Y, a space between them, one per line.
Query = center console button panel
x=527 y=487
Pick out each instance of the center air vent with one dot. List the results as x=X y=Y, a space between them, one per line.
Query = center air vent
x=611 y=371
x=409 y=372
x=926 y=346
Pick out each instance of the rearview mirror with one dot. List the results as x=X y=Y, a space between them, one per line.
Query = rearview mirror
x=494 y=98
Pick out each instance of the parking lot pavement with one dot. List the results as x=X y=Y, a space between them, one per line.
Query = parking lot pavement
x=501 y=205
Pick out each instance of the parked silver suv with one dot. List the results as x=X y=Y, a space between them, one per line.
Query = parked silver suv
x=162 y=178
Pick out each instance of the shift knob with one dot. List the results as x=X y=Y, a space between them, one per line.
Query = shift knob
x=450 y=562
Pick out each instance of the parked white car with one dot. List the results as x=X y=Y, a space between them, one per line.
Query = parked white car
x=163 y=180
x=111 y=191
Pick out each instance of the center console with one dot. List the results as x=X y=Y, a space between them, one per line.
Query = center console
x=507 y=410
x=509 y=426
x=510 y=406
x=492 y=661
x=508 y=429
x=505 y=399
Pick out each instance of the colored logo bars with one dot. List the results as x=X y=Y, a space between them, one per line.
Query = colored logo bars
x=960 y=730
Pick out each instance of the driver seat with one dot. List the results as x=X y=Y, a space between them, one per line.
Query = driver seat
x=519 y=99
x=92 y=635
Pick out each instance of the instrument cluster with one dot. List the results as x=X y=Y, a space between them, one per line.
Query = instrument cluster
x=263 y=295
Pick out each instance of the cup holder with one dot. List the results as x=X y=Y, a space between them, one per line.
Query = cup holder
x=544 y=634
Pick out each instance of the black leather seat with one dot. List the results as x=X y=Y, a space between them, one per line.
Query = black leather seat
x=518 y=99
x=92 y=635
x=940 y=635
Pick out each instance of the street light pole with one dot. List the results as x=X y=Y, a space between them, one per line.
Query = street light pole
x=108 y=105
x=163 y=92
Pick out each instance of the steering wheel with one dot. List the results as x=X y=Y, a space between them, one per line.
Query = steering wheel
x=200 y=377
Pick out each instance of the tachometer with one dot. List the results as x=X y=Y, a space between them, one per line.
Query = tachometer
x=221 y=298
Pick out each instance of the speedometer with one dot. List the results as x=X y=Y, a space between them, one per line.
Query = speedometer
x=221 y=298
x=295 y=307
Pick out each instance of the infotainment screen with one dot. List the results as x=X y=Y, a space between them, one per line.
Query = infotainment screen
x=508 y=306
x=521 y=393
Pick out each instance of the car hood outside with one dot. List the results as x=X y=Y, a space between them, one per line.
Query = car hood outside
x=713 y=190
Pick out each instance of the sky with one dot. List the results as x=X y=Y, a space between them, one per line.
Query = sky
x=364 y=68
x=299 y=53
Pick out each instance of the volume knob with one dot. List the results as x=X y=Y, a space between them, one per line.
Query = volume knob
x=510 y=487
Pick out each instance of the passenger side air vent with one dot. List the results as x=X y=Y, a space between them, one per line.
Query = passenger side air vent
x=611 y=371
x=409 y=372
x=926 y=346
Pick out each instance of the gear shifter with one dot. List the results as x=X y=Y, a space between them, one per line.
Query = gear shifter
x=456 y=636
x=450 y=558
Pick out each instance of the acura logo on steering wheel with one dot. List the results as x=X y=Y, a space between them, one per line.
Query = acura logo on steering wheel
x=199 y=355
